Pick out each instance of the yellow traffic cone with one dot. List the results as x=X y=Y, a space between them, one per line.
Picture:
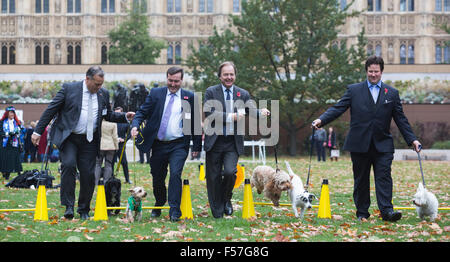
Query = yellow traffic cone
x=248 y=209
x=40 y=211
x=100 y=203
x=186 y=205
x=202 y=172
x=324 y=204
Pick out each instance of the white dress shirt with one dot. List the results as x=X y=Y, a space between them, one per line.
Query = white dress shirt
x=81 y=126
x=174 y=127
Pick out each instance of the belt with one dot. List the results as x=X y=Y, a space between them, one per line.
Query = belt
x=177 y=140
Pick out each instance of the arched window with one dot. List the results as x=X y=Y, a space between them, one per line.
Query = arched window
x=38 y=54
x=411 y=54
x=438 y=55
x=70 y=55
x=46 y=55
x=378 y=50
x=178 y=54
x=78 y=54
x=104 y=54
x=4 y=55
x=169 y=55
x=402 y=54
x=12 y=55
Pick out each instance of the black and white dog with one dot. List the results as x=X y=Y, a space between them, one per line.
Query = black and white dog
x=298 y=195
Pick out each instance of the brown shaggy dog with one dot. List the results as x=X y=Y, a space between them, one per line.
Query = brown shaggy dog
x=271 y=182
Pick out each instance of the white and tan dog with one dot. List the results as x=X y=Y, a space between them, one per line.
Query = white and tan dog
x=426 y=203
x=298 y=195
x=271 y=182
x=134 y=204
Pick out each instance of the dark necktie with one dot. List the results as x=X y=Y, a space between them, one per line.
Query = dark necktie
x=228 y=108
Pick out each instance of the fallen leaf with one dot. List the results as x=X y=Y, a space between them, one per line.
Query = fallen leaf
x=10 y=228
x=88 y=237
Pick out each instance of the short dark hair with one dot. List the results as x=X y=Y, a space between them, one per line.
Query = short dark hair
x=225 y=64
x=375 y=60
x=94 y=70
x=118 y=108
x=175 y=70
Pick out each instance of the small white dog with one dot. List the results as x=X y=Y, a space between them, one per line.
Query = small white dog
x=299 y=196
x=134 y=204
x=426 y=203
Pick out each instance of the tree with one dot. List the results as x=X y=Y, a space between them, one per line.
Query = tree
x=288 y=51
x=131 y=42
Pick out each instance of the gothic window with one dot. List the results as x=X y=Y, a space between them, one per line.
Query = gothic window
x=402 y=54
x=104 y=54
x=207 y=6
x=411 y=54
x=8 y=6
x=173 y=6
x=41 y=6
x=174 y=53
x=378 y=50
x=108 y=6
x=374 y=5
x=73 y=6
x=442 y=54
x=73 y=53
x=169 y=55
x=442 y=5
x=42 y=54
x=407 y=53
x=407 y=5
x=236 y=6
x=140 y=4
x=178 y=54
x=8 y=53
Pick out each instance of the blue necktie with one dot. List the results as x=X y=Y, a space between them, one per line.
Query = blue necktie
x=374 y=91
x=165 y=119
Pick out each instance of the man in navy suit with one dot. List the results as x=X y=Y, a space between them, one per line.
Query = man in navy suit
x=373 y=104
x=171 y=120
x=79 y=108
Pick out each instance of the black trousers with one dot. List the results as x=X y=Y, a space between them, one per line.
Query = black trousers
x=220 y=173
x=77 y=152
x=381 y=163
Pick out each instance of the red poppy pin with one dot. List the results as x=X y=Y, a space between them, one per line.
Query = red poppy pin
x=185 y=97
x=238 y=94
x=385 y=90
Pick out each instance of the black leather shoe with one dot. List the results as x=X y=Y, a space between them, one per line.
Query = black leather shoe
x=391 y=216
x=174 y=219
x=84 y=216
x=156 y=212
x=69 y=212
x=228 y=209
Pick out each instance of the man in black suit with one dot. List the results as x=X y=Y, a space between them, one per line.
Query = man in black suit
x=373 y=104
x=171 y=120
x=223 y=141
x=79 y=108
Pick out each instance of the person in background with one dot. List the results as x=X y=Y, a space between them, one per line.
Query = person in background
x=320 y=138
x=109 y=144
x=122 y=132
x=331 y=142
x=10 y=161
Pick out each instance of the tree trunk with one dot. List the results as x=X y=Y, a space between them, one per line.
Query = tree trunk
x=292 y=147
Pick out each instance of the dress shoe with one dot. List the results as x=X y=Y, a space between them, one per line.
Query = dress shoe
x=84 y=216
x=174 y=219
x=69 y=212
x=156 y=212
x=228 y=209
x=391 y=216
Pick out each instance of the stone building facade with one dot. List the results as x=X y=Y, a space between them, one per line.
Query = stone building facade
x=75 y=31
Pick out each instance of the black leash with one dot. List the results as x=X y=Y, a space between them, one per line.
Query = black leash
x=310 y=157
x=276 y=159
x=420 y=164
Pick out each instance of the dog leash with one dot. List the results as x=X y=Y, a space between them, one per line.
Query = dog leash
x=310 y=158
x=276 y=158
x=123 y=149
x=420 y=164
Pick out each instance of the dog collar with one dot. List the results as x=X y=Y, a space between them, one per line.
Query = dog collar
x=133 y=206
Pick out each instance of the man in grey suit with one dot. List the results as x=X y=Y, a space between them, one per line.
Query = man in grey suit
x=79 y=108
x=223 y=141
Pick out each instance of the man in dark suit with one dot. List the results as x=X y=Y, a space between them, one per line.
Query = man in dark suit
x=224 y=142
x=171 y=120
x=79 y=108
x=373 y=104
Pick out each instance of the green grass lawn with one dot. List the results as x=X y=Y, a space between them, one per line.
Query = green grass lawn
x=272 y=224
